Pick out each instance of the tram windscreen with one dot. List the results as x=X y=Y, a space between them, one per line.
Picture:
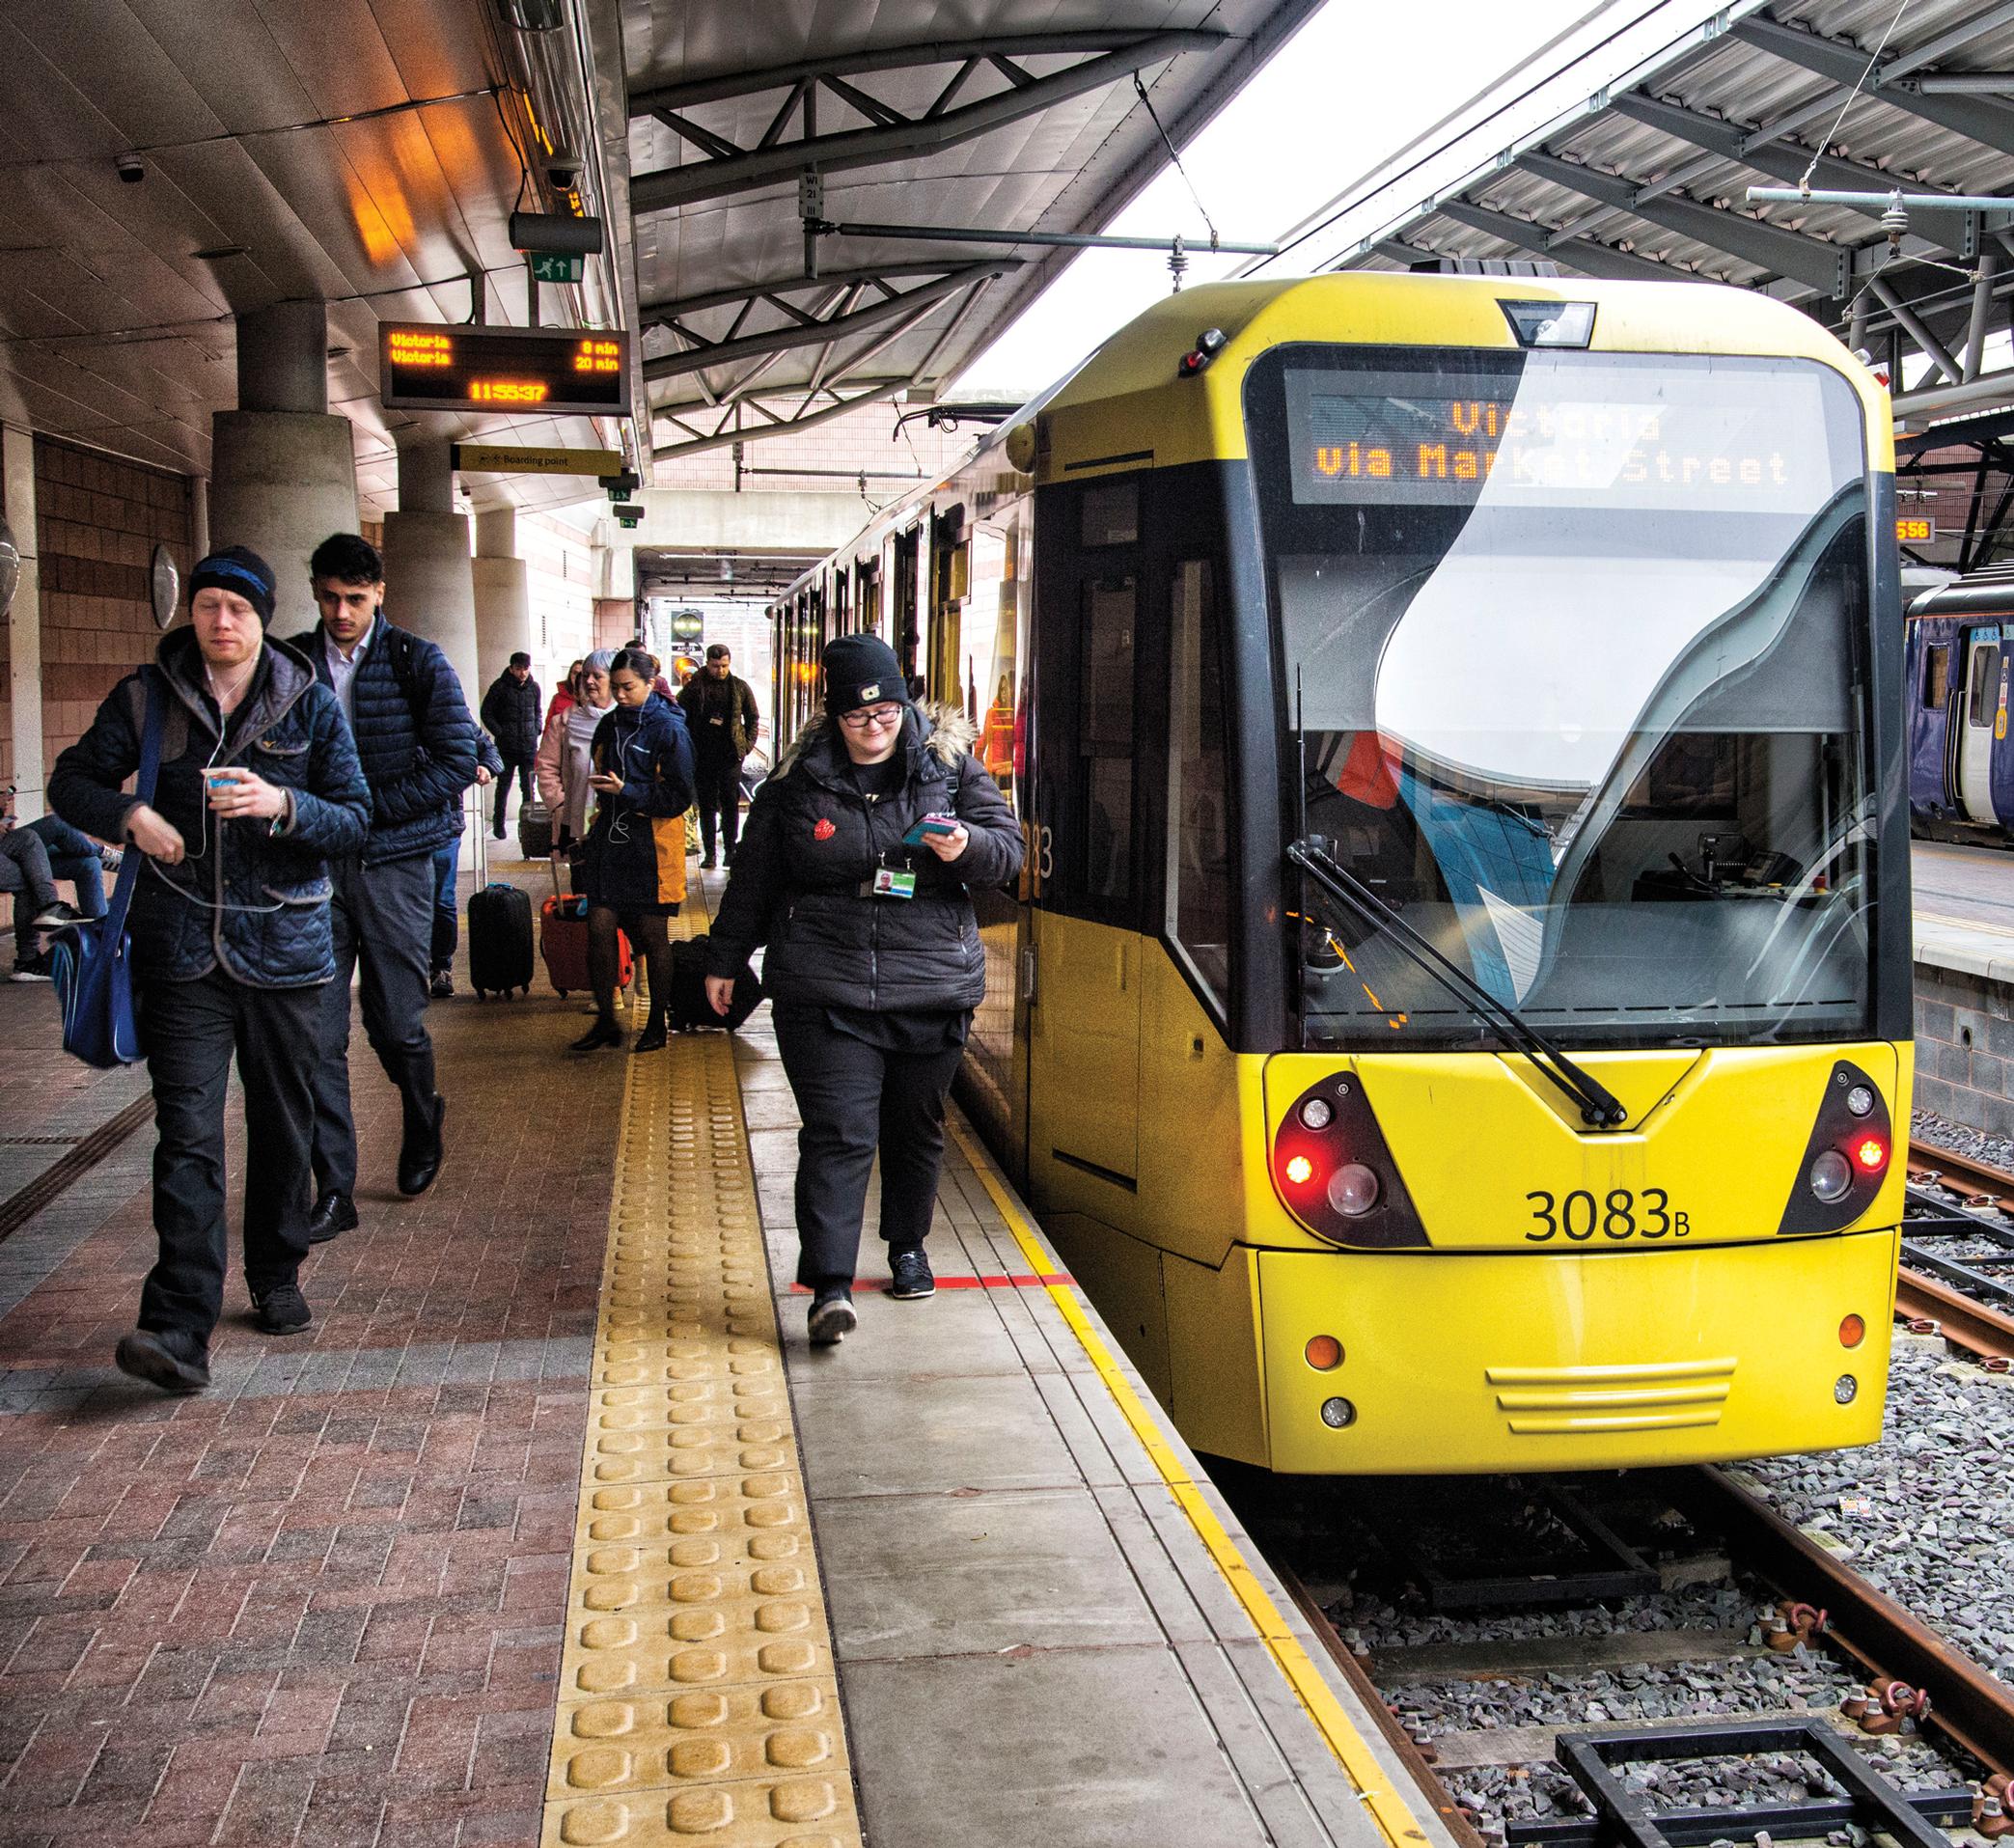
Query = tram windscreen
x=1574 y=652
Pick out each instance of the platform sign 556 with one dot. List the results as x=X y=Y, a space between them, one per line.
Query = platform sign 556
x=552 y=370
x=1914 y=529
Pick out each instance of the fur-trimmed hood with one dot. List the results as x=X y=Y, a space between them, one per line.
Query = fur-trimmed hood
x=933 y=725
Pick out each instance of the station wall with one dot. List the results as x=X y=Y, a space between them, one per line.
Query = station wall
x=1965 y=1049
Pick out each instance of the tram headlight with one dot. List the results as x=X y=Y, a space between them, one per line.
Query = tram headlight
x=1861 y=1100
x=1830 y=1176
x=1353 y=1190
x=1318 y=1113
x=1339 y=1415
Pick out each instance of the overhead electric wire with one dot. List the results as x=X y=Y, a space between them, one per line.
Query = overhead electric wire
x=1139 y=89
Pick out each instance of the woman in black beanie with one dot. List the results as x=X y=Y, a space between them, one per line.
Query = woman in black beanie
x=874 y=963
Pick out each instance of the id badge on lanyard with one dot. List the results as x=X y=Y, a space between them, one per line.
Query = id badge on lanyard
x=894 y=882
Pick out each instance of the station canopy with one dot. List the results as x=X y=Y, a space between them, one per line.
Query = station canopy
x=172 y=164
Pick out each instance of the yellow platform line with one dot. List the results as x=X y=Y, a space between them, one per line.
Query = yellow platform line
x=1389 y=1810
x=697 y=1697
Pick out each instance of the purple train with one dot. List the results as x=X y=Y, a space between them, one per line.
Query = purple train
x=1961 y=760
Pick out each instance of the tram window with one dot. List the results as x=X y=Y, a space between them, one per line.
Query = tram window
x=1112 y=514
x=1983 y=683
x=1937 y=677
x=1198 y=793
x=1106 y=736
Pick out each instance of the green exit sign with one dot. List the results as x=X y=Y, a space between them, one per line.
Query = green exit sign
x=556 y=266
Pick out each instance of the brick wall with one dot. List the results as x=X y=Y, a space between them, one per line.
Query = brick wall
x=1965 y=1049
x=98 y=520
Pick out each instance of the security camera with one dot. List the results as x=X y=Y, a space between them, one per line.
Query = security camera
x=129 y=168
x=562 y=170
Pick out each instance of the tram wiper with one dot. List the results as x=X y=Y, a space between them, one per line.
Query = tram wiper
x=1599 y=1106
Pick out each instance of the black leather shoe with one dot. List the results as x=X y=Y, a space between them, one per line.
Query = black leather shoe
x=420 y=1153
x=651 y=1038
x=831 y=1318
x=175 y=1362
x=442 y=987
x=603 y=1032
x=333 y=1213
x=282 y=1311
x=913 y=1278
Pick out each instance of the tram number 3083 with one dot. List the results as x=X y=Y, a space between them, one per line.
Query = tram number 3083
x=1622 y=1213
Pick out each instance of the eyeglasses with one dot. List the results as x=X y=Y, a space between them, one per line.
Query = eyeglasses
x=872 y=715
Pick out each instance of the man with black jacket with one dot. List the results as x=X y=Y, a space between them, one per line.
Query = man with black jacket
x=720 y=712
x=511 y=715
x=417 y=744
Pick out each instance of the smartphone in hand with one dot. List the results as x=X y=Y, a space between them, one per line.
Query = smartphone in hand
x=928 y=825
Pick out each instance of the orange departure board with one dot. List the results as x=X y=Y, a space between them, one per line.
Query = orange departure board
x=1914 y=529
x=553 y=371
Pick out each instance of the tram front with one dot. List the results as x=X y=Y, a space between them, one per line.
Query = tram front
x=1587 y=734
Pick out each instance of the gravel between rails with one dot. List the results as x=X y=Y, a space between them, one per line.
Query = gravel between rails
x=1996 y=1151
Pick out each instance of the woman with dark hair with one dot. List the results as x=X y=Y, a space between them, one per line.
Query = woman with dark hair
x=635 y=848
x=857 y=870
x=564 y=761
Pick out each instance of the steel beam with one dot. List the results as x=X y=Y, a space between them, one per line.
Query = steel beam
x=1585 y=254
x=827 y=280
x=1821 y=266
x=1980 y=318
x=1914 y=326
x=1989 y=123
x=1782 y=160
x=783 y=427
x=837 y=152
x=820 y=333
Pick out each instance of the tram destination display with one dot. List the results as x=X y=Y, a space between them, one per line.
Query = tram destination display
x=552 y=370
x=1574 y=431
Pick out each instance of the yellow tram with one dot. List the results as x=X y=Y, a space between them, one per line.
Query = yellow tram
x=1456 y=1016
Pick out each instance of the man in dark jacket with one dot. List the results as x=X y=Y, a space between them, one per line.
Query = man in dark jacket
x=720 y=708
x=259 y=785
x=417 y=744
x=511 y=715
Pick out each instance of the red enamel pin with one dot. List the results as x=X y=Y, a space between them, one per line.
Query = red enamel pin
x=824 y=831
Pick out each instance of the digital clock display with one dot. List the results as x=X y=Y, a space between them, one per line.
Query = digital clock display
x=556 y=370
x=1573 y=430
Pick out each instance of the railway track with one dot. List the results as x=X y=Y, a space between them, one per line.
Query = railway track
x=1969 y=1297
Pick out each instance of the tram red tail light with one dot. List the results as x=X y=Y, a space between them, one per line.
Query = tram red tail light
x=1848 y=1157
x=1300 y=1170
x=1871 y=1153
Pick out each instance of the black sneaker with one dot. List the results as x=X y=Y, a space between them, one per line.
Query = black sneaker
x=54 y=916
x=442 y=987
x=831 y=1318
x=707 y=865
x=912 y=1276
x=33 y=968
x=333 y=1213
x=282 y=1311
x=173 y=1361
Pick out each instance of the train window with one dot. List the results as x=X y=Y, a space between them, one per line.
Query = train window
x=1111 y=513
x=1983 y=684
x=1936 y=677
x=1106 y=736
x=1198 y=791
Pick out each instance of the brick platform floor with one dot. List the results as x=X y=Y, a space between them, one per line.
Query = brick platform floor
x=322 y=1604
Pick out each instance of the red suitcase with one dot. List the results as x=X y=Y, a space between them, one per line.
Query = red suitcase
x=563 y=941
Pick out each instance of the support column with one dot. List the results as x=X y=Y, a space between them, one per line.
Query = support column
x=24 y=623
x=503 y=595
x=282 y=471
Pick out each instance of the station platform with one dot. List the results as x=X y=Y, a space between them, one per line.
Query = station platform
x=1964 y=916
x=553 y=1530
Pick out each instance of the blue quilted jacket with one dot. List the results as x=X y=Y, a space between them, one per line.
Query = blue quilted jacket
x=418 y=749
x=251 y=901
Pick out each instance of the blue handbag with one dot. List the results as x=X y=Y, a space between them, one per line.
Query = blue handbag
x=91 y=962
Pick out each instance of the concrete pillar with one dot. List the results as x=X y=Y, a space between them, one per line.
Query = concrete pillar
x=429 y=586
x=282 y=471
x=24 y=623
x=503 y=596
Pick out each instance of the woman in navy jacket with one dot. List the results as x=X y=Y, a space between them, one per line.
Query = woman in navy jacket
x=634 y=855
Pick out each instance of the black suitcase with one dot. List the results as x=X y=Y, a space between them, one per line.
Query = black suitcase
x=689 y=1006
x=500 y=941
x=535 y=831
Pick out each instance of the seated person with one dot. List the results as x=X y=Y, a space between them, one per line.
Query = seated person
x=28 y=875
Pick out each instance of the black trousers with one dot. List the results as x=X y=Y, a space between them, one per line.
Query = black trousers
x=521 y=770
x=718 y=781
x=190 y=1030
x=383 y=919
x=854 y=1099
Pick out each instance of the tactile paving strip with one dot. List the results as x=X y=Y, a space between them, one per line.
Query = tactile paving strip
x=697 y=1694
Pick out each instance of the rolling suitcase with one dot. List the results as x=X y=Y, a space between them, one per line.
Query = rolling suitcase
x=500 y=941
x=535 y=831
x=563 y=941
x=689 y=1007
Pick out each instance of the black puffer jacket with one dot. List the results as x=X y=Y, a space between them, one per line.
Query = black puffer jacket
x=510 y=715
x=812 y=843
x=255 y=902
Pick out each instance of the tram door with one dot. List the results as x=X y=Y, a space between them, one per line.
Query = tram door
x=1085 y=1069
x=1985 y=700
